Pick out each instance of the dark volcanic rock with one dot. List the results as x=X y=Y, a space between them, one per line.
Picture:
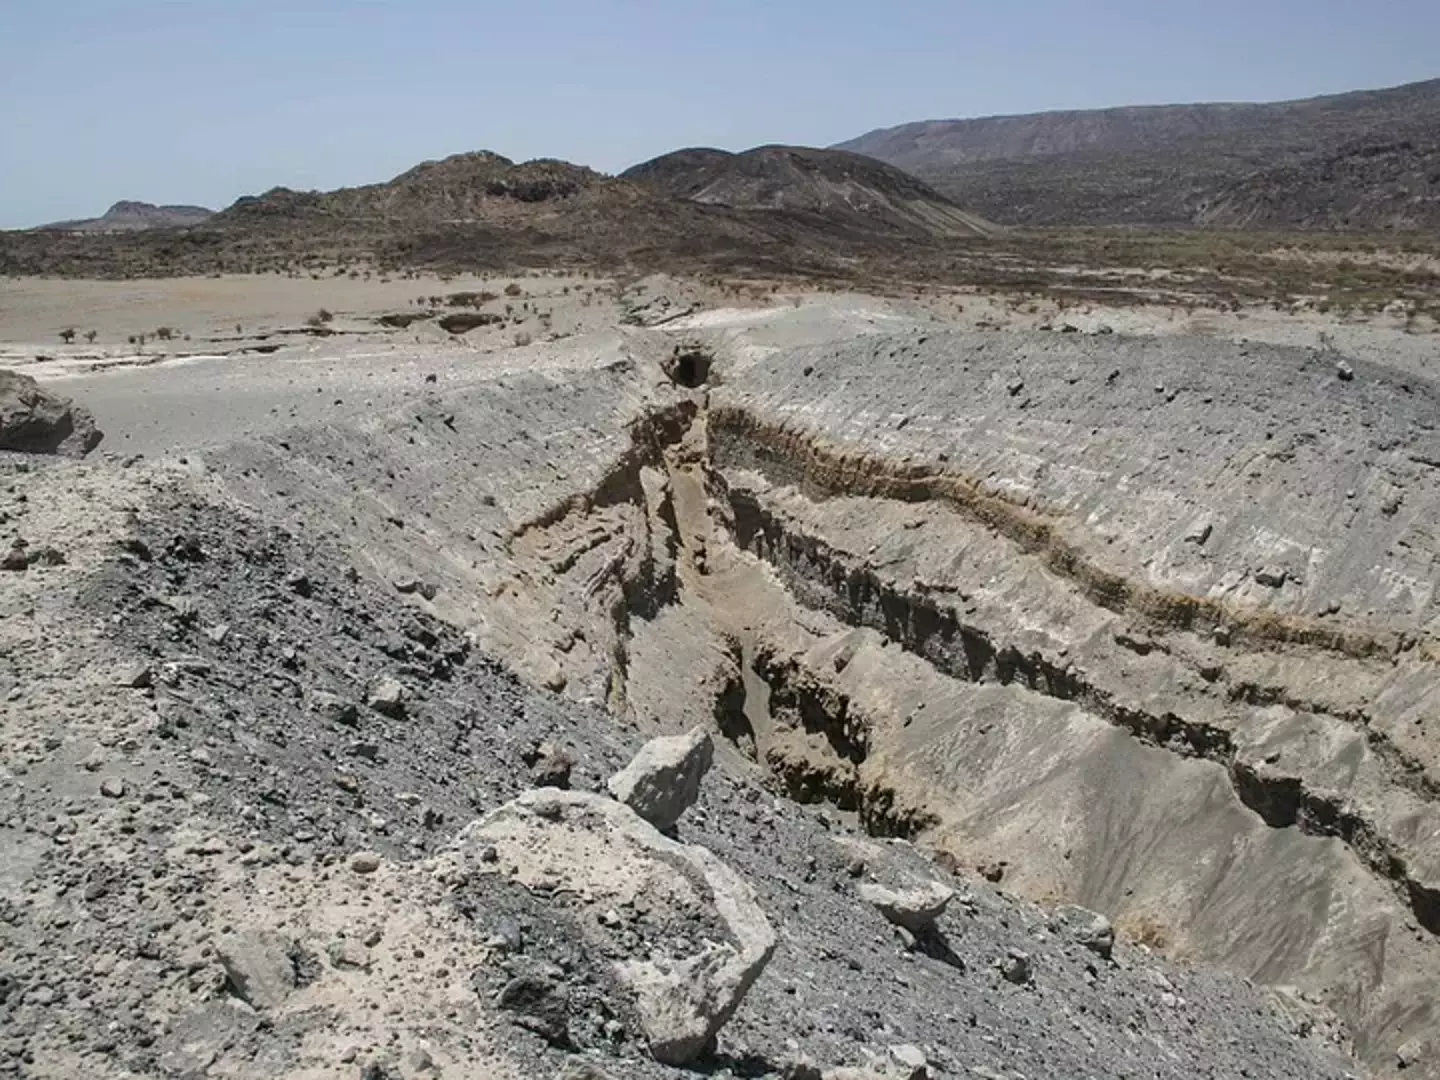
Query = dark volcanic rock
x=35 y=421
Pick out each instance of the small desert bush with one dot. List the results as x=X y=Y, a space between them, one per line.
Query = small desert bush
x=320 y=318
x=513 y=289
x=470 y=299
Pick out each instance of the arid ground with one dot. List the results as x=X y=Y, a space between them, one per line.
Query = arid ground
x=1055 y=600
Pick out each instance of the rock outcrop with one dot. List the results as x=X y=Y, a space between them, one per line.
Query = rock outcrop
x=35 y=421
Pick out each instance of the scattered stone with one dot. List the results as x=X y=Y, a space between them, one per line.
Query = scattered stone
x=1410 y=1054
x=1344 y=372
x=1016 y=967
x=1086 y=928
x=539 y=1006
x=365 y=862
x=298 y=582
x=912 y=1060
x=1272 y=577
x=663 y=779
x=346 y=953
x=45 y=556
x=914 y=908
x=336 y=709
x=553 y=771
x=259 y=966
x=135 y=676
x=112 y=787
x=15 y=558
x=387 y=697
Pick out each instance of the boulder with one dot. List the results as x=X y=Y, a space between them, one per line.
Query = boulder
x=387 y=697
x=915 y=907
x=1081 y=926
x=592 y=848
x=35 y=421
x=663 y=780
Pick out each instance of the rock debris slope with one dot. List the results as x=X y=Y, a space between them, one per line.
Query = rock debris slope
x=226 y=856
x=1089 y=615
x=1083 y=617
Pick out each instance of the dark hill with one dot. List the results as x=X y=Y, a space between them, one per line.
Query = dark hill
x=482 y=212
x=1392 y=185
x=1147 y=165
x=465 y=187
x=860 y=191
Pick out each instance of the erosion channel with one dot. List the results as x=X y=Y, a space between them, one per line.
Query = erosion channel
x=1081 y=613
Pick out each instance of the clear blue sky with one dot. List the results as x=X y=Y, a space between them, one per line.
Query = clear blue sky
x=205 y=100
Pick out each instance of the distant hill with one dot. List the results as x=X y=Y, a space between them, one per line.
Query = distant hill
x=126 y=216
x=1144 y=165
x=464 y=187
x=480 y=211
x=1391 y=184
x=860 y=191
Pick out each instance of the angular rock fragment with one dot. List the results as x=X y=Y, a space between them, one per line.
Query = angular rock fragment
x=1084 y=927
x=663 y=780
x=387 y=697
x=915 y=908
x=35 y=421
x=588 y=846
x=538 y=1005
x=259 y=966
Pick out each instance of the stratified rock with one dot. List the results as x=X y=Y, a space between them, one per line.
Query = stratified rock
x=915 y=907
x=663 y=780
x=590 y=847
x=35 y=421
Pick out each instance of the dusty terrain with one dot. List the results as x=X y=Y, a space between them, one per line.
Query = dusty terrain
x=1131 y=608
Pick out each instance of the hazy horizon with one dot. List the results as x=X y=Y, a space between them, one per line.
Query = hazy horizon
x=202 y=103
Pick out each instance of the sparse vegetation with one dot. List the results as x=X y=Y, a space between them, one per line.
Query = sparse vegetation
x=320 y=318
x=514 y=289
x=522 y=339
x=67 y=335
x=164 y=333
x=470 y=299
x=90 y=336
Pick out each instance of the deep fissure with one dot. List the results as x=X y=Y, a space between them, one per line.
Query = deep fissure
x=820 y=577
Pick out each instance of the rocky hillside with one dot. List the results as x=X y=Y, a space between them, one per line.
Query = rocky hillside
x=127 y=216
x=274 y=807
x=481 y=211
x=1154 y=164
x=1392 y=184
x=462 y=188
x=843 y=187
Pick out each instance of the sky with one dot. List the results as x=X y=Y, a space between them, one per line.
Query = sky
x=201 y=101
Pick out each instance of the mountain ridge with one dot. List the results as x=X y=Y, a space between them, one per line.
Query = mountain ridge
x=1150 y=164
